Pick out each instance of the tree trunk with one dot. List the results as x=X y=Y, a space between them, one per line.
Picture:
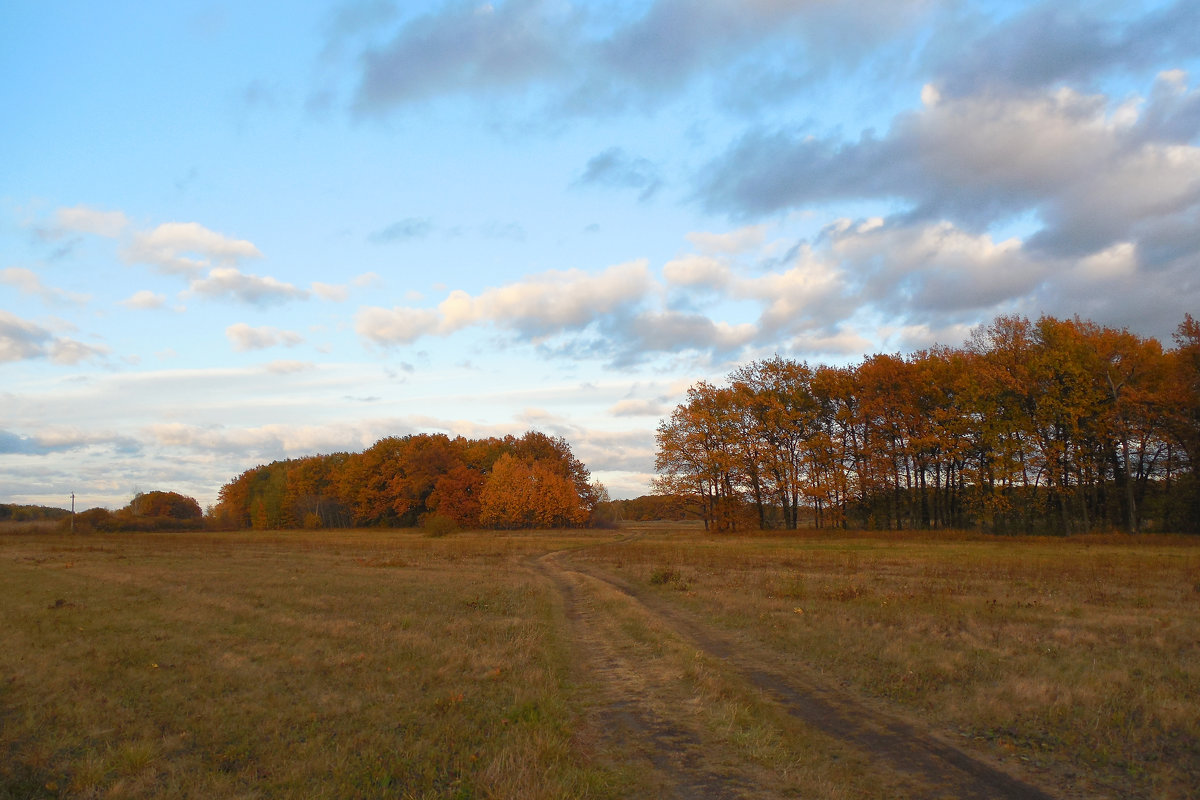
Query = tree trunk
x=1130 y=502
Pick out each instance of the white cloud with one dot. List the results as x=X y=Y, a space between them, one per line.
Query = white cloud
x=1048 y=44
x=552 y=301
x=21 y=340
x=811 y=292
x=537 y=307
x=338 y=292
x=70 y=352
x=27 y=282
x=328 y=291
x=186 y=248
x=144 y=300
x=24 y=280
x=920 y=336
x=637 y=408
x=60 y=438
x=395 y=326
x=698 y=271
x=804 y=304
x=935 y=267
x=840 y=342
x=253 y=289
x=585 y=62
x=285 y=367
x=245 y=337
x=674 y=331
x=277 y=440
x=749 y=238
x=1118 y=261
x=1087 y=169
x=82 y=219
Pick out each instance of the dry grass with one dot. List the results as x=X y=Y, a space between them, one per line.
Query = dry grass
x=25 y=527
x=392 y=664
x=339 y=665
x=679 y=722
x=1079 y=658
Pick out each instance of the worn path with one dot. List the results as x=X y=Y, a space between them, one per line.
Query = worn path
x=642 y=714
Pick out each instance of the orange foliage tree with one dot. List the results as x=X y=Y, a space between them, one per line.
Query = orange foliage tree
x=528 y=493
x=405 y=480
x=1047 y=425
x=171 y=505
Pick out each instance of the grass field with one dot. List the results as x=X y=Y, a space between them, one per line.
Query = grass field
x=341 y=665
x=391 y=664
x=1079 y=658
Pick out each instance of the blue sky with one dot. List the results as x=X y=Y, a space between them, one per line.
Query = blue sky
x=232 y=233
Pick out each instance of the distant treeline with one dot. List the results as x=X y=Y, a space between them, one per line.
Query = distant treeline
x=148 y=511
x=11 y=512
x=1049 y=426
x=425 y=479
x=653 y=507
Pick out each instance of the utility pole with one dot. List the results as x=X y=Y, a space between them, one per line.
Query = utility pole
x=72 y=512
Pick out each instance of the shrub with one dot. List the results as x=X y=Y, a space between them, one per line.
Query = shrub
x=665 y=576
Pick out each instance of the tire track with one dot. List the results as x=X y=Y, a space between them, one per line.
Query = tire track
x=625 y=717
x=938 y=767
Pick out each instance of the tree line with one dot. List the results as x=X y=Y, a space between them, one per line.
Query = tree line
x=1046 y=426
x=532 y=481
x=147 y=511
x=15 y=512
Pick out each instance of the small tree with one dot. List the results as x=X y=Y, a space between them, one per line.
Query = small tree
x=171 y=505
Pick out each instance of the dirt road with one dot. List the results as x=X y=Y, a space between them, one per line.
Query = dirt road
x=691 y=713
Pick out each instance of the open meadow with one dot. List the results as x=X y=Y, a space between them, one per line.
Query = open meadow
x=654 y=661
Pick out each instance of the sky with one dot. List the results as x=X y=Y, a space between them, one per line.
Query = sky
x=233 y=233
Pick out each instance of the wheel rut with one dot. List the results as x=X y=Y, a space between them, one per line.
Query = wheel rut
x=923 y=764
x=626 y=714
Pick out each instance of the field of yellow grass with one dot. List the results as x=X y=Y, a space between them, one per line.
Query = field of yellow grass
x=341 y=665
x=392 y=664
x=1078 y=658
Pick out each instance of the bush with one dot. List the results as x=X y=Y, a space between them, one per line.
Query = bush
x=171 y=505
x=665 y=576
x=94 y=519
x=101 y=520
x=606 y=516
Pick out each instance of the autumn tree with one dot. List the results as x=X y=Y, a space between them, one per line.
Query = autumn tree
x=555 y=452
x=1047 y=425
x=405 y=480
x=523 y=492
x=1182 y=417
x=835 y=448
x=1184 y=389
x=310 y=494
x=169 y=505
x=457 y=495
x=779 y=417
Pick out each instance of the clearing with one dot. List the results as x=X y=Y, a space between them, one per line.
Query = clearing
x=652 y=662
